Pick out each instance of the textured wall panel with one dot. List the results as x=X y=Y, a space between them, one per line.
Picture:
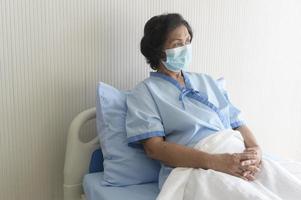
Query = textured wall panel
x=53 y=53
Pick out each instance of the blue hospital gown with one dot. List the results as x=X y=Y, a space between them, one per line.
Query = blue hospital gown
x=159 y=106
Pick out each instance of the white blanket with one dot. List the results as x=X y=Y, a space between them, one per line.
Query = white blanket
x=273 y=182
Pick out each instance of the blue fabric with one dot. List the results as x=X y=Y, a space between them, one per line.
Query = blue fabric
x=123 y=165
x=183 y=115
x=96 y=162
x=95 y=191
x=236 y=119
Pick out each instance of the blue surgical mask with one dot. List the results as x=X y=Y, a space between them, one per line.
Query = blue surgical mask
x=178 y=59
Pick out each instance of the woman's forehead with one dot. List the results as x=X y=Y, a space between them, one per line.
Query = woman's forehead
x=178 y=33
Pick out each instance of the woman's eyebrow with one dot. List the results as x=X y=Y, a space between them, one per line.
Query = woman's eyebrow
x=175 y=39
x=180 y=39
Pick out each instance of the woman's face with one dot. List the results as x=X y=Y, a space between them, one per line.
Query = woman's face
x=177 y=38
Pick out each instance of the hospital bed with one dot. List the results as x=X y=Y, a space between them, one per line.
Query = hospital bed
x=79 y=184
x=77 y=178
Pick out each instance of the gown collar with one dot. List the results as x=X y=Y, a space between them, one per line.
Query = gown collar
x=173 y=81
x=188 y=91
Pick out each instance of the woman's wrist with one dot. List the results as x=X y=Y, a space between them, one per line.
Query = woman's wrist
x=212 y=161
x=252 y=146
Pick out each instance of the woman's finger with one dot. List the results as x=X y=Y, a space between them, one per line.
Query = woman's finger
x=259 y=165
x=250 y=177
x=241 y=170
x=253 y=169
x=246 y=156
x=250 y=151
x=254 y=148
x=248 y=162
x=240 y=176
x=246 y=174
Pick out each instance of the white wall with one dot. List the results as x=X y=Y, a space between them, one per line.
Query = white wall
x=53 y=53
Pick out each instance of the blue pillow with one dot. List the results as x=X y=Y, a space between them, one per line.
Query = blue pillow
x=96 y=162
x=123 y=165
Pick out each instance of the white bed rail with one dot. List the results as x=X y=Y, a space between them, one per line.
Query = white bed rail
x=77 y=157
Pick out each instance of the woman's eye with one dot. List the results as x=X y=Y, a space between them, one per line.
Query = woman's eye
x=178 y=44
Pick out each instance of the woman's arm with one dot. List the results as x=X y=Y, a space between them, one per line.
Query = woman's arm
x=248 y=136
x=176 y=155
x=252 y=147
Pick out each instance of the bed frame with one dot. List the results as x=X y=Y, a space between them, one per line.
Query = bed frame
x=77 y=157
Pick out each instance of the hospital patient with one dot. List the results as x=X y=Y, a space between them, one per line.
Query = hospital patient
x=172 y=110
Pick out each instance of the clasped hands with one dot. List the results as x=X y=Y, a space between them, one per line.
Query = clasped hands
x=252 y=164
x=244 y=165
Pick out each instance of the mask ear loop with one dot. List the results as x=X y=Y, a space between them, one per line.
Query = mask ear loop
x=163 y=56
x=162 y=59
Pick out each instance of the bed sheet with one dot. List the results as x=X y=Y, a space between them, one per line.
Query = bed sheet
x=95 y=191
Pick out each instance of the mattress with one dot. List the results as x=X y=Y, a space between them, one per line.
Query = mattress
x=95 y=191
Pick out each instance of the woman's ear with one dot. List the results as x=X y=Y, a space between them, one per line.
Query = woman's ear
x=163 y=55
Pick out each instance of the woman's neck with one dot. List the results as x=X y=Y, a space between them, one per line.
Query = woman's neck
x=174 y=75
x=178 y=76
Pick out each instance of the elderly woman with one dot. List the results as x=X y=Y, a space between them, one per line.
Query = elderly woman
x=169 y=112
x=187 y=122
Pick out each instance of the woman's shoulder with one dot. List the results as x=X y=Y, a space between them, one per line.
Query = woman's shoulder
x=141 y=88
x=151 y=83
x=200 y=76
x=204 y=77
x=140 y=96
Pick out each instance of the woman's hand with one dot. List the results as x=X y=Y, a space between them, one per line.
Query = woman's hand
x=238 y=164
x=250 y=171
x=257 y=152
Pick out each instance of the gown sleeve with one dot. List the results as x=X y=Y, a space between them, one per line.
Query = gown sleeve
x=142 y=118
x=235 y=115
